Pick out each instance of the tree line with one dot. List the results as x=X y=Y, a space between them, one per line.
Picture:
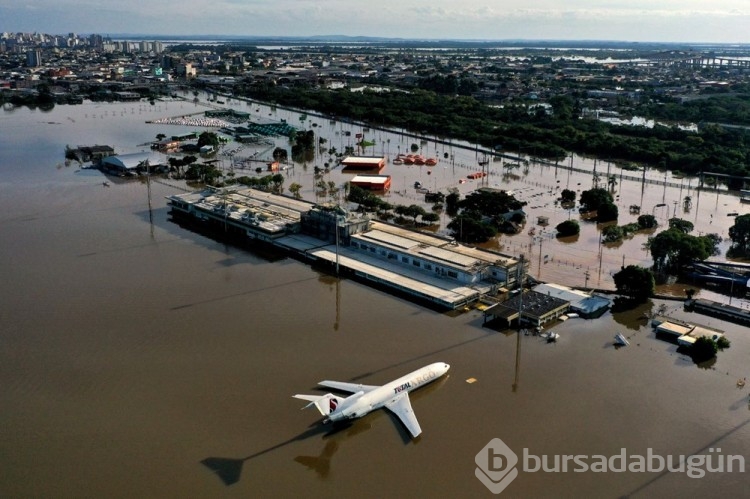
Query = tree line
x=514 y=127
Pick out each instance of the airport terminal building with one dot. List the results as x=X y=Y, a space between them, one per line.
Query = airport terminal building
x=425 y=266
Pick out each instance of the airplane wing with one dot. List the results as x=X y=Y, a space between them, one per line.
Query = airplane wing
x=401 y=407
x=347 y=387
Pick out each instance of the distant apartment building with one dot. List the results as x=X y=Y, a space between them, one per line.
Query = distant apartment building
x=96 y=41
x=155 y=47
x=34 y=58
x=187 y=70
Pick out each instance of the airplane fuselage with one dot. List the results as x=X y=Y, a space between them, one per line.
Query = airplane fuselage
x=361 y=403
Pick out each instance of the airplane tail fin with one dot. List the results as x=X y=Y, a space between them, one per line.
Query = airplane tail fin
x=326 y=404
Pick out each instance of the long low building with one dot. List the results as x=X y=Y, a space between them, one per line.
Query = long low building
x=422 y=265
x=363 y=163
x=132 y=163
x=683 y=333
x=720 y=310
x=584 y=304
x=372 y=182
x=529 y=307
x=255 y=214
x=437 y=256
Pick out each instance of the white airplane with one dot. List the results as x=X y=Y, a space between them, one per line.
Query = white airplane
x=366 y=398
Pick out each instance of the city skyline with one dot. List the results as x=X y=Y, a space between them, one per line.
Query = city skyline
x=722 y=21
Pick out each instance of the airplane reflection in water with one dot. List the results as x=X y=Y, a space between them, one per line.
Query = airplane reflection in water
x=394 y=396
x=229 y=470
x=321 y=464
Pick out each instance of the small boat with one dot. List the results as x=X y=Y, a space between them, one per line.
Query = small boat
x=621 y=340
x=430 y=161
x=398 y=161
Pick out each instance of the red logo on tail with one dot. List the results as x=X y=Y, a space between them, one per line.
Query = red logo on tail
x=332 y=404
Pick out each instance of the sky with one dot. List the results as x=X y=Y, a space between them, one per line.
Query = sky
x=710 y=21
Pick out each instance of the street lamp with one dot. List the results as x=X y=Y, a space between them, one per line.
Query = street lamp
x=653 y=210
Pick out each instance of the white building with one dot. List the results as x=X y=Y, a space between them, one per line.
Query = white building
x=436 y=256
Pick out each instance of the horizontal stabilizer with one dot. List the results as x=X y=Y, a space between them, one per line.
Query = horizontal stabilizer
x=326 y=404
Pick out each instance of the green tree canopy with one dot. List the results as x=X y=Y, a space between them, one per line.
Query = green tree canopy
x=568 y=228
x=612 y=234
x=468 y=227
x=681 y=225
x=672 y=248
x=430 y=217
x=607 y=212
x=490 y=203
x=592 y=199
x=451 y=203
x=208 y=139
x=635 y=282
x=280 y=154
x=739 y=233
x=295 y=188
x=568 y=196
x=647 y=222
x=703 y=349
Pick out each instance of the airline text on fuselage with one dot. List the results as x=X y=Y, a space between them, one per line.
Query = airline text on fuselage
x=401 y=388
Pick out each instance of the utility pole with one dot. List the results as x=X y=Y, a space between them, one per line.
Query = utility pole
x=336 y=228
x=519 y=278
x=148 y=190
x=539 y=272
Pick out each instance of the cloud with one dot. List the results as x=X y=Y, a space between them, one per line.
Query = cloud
x=718 y=20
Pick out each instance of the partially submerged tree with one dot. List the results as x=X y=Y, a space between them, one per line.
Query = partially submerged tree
x=468 y=227
x=739 y=233
x=635 y=282
x=607 y=212
x=567 y=196
x=295 y=188
x=592 y=199
x=703 y=349
x=681 y=225
x=647 y=222
x=568 y=228
x=672 y=248
x=612 y=234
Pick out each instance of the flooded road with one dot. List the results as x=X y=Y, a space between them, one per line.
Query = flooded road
x=138 y=358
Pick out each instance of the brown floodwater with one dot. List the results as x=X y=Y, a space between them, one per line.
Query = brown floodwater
x=141 y=359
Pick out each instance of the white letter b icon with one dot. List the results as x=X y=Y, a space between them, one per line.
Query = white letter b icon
x=496 y=466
